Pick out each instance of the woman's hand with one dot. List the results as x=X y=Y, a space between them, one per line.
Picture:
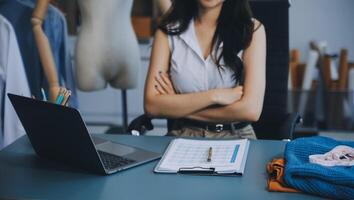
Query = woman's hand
x=227 y=96
x=163 y=84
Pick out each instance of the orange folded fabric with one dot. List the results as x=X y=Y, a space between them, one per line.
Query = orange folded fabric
x=275 y=171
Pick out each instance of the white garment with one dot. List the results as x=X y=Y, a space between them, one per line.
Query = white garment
x=189 y=71
x=339 y=156
x=15 y=81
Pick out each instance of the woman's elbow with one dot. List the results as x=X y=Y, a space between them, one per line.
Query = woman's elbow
x=253 y=115
x=252 y=112
x=150 y=109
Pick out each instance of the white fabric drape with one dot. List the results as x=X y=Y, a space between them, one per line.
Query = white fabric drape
x=14 y=81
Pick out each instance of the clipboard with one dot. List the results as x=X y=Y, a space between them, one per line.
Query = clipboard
x=188 y=156
x=205 y=172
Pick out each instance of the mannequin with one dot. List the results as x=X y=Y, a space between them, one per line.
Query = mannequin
x=119 y=66
x=107 y=50
x=44 y=49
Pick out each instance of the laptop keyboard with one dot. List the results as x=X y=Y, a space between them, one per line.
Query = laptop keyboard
x=111 y=161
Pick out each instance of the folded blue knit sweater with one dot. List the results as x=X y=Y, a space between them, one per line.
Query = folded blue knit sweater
x=334 y=182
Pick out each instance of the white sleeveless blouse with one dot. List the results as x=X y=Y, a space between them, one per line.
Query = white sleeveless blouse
x=189 y=71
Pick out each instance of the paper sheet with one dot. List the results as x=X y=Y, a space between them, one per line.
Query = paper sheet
x=227 y=155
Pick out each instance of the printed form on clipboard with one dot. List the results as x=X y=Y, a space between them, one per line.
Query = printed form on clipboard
x=204 y=157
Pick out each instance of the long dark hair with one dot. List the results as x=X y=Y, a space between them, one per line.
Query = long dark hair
x=234 y=29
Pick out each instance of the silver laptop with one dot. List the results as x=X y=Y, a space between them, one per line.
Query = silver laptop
x=59 y=133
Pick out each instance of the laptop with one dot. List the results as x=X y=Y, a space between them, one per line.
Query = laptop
x=59 y=133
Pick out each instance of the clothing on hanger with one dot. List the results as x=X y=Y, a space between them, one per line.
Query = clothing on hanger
x=55 y=29
x=21 y=23
x=2 y=98
x=14 y=81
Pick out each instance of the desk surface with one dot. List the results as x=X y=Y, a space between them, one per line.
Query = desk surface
x=24 y=175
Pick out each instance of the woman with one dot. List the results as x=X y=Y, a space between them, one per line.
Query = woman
x=202 y=51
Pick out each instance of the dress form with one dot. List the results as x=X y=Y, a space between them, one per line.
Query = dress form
x=107 y=50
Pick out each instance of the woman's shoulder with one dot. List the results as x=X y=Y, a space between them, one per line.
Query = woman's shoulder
x=257 y=24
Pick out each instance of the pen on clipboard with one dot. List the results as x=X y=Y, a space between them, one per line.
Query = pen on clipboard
x=210 y=154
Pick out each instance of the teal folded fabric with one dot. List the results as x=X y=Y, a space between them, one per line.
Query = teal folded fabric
x=333 y=182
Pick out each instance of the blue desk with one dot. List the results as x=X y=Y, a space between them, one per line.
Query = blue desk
x=24 y=175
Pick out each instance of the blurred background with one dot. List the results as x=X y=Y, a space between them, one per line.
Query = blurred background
x=312 y=40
